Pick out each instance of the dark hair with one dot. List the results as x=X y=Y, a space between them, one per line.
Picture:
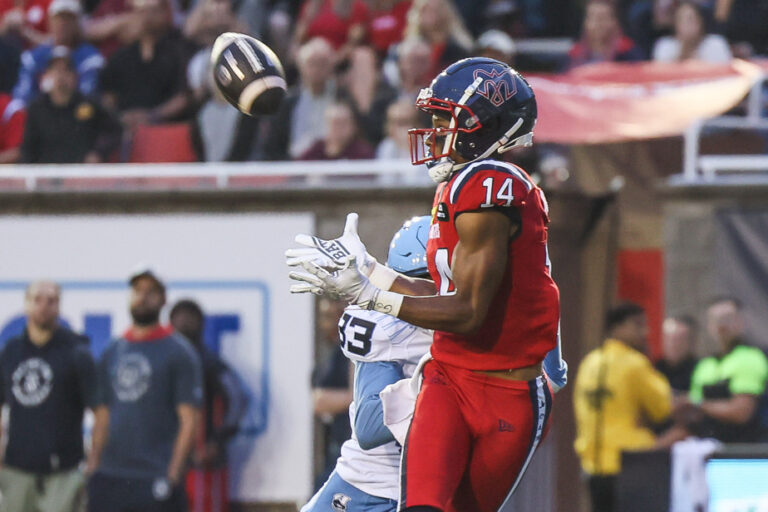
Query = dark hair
x=619 y=314
x=718 y=299
x=188 y=306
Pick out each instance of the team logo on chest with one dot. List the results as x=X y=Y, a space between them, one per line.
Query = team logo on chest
x=131 y=377
x=32 y=382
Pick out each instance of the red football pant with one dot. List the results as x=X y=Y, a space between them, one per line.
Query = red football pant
x=471 y=438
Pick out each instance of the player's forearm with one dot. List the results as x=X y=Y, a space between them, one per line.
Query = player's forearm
x=738 y=409
x=415 y=287
x=477 y=271
x=450 y=313
x=183 y=443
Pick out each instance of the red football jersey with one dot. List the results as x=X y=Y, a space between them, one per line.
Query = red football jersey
x=522 y=322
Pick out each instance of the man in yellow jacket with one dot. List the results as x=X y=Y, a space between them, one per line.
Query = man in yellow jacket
x=617 y=394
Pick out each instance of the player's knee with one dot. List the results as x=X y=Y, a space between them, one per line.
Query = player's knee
x=421 y=508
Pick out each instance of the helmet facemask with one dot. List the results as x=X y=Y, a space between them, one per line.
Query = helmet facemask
x=434 y=146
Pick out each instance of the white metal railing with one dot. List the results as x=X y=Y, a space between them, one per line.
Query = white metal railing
x=553 y=45
x=317 y=174
x=707 y=166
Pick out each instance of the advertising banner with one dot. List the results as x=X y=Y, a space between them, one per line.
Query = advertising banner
x=614 y=102
x=233 y=265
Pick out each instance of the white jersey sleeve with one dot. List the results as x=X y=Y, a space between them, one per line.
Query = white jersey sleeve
x=370 y=336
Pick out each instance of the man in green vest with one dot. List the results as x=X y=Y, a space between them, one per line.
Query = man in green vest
x=726 y=388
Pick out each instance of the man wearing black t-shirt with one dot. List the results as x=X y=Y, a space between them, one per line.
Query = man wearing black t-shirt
x=145 y=81
x=47 y=379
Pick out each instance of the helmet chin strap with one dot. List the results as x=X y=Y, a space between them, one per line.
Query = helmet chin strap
x=442 y=169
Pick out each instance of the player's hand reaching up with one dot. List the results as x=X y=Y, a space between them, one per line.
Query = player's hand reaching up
x=336 y=250
x=325 y=277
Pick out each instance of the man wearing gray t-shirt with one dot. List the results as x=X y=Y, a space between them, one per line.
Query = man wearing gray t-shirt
x=150 y=386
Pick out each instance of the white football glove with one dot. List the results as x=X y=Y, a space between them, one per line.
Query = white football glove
x=336 y=250
x=326 y=277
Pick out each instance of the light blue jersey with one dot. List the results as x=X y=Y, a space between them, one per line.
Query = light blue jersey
x=384 y=350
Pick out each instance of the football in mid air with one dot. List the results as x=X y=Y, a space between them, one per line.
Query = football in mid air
x=248 y=74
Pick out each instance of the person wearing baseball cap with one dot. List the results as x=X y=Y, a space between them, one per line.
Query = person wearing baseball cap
x=64 y=19
x=63 y=126
x=496 y=44
x=150 y=388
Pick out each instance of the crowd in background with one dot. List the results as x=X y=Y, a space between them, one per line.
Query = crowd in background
x=92 y=80
x=624 y=402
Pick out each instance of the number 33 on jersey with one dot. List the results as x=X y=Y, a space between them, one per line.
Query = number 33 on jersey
x=526 y=303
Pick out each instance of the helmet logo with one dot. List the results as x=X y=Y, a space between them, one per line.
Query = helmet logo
x=497 y=86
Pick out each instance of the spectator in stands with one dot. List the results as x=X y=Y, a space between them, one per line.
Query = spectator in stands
x=617 y=391
x=412 y=73
x=678 y=340
x=150 y=388
x=112 y=25
x=299 y=122
x=342 y=139
x=691 y=40
x=726 y=388
x=370 y=94
x=439 y=24
x=145 y=81
x=602 y=39
x=472 y=13
x=9 y=66
x=343 y=23
x=401 y=116
x=47 y=379
x=331 y=388
x=496 y=44
x=12 y=118
x=504 y=15
x=23 y=22
x=388 y=20
x=64 y=22
x=62 y=125
x=745 y=25
x=648 y=20
x=223 y=133
x=208 y=19
x=224 y=404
